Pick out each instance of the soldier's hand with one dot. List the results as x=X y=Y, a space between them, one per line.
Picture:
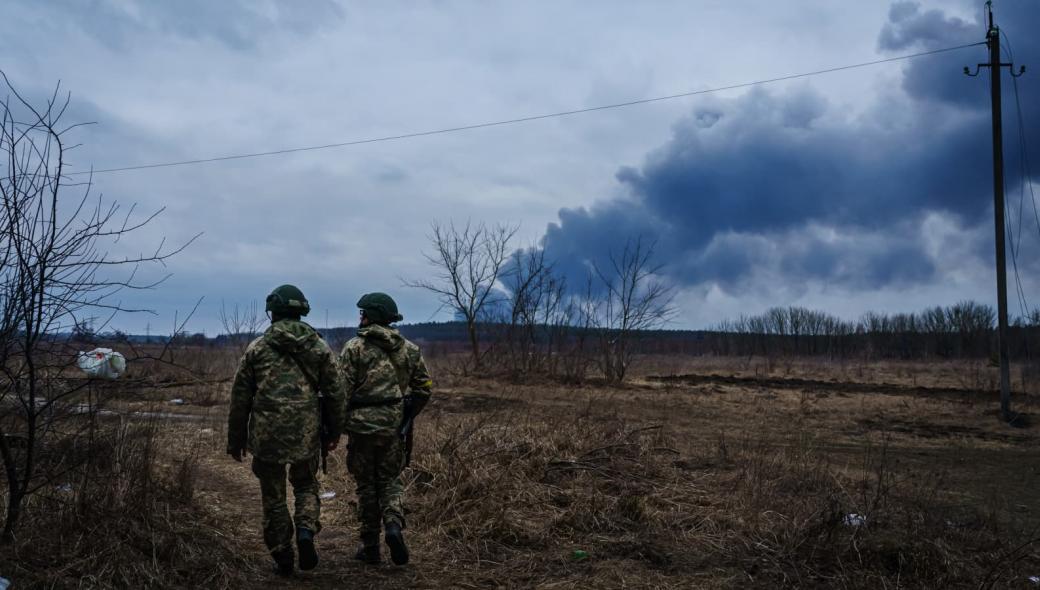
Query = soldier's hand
x=330 y=445
x=237 y=453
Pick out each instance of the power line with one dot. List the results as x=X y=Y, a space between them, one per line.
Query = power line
x=523 y=119
x=1025 y=170
x=1025 y=175
x=1013 y=244
x=1020 y=291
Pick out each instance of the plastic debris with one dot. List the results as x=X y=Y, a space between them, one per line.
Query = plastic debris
x=1034 y=579
x=102 y=362
x=579 y=555
x=206 y=431
x=64 y=488
x=854 y=519
x=177 y=401
x=4 y=583
x=327 y=495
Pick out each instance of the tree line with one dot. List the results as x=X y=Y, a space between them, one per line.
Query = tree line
x=963 y=330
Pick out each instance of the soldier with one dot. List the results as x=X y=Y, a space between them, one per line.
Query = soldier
x=275 y=415
x=379 y=369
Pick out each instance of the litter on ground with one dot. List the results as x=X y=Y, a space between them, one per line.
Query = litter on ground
x=854 y=519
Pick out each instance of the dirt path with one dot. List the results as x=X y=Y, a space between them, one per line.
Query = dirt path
x=230 y=492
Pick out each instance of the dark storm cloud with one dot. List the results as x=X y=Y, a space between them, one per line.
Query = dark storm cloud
x=911 y=27
x=862 y=262
x=754 y=184
x=584 y=237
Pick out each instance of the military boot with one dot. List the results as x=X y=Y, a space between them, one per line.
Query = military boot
x=395 y=541
x=305 y=543
x=283 y=561
x=368 y=550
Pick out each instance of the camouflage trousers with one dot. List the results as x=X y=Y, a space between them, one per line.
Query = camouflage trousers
x=278 y=525
x=376 y=462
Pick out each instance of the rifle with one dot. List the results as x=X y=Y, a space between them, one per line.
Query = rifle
x=326 y=426
x=407 y=427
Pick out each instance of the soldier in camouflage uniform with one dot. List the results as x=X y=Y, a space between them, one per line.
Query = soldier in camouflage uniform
x=379 y=367
x=275 y=416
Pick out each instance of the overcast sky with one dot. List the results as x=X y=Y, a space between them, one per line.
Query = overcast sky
x=867 y=189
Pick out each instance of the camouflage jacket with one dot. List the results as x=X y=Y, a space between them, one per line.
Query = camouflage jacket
x=274 y=407
x=380 y=366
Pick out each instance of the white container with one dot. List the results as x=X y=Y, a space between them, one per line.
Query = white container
x=101 y=362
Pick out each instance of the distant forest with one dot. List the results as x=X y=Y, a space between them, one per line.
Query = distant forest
x=964 y=330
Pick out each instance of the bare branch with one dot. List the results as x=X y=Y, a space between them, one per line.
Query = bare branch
x=468 y=263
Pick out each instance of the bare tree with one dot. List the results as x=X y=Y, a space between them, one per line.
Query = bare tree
x=534 y=295
x=241 y=323
x=1032 y=319
x=553 y=319
x=469 y=262
x=634 y=300
x=54 y=268
x=575 y=327
x=973 y=323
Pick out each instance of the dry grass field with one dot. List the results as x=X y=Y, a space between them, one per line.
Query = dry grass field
x=700 y=472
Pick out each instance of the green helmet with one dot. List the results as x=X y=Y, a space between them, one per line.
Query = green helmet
x=288 y=300
x=380 y=308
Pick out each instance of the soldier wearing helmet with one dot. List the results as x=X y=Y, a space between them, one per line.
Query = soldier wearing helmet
x=275 y=416
x=379 y=369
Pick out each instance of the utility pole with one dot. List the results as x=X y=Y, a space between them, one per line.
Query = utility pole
x=994 y=65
